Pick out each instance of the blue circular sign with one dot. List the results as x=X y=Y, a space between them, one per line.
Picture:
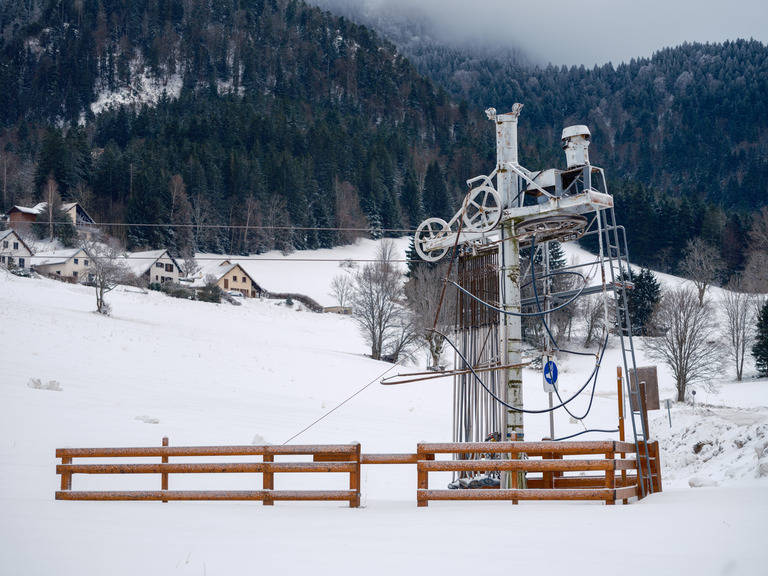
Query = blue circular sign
x=550 y=373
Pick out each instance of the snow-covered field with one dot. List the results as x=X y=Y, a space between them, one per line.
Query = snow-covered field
x=205 y=374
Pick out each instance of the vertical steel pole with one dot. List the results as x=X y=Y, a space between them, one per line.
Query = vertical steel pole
x=509 y=258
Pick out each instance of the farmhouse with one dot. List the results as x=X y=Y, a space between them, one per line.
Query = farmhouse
x=229 y=277
x=71 y=265
x=14 y=252
x=155 y=266
x=18 y=216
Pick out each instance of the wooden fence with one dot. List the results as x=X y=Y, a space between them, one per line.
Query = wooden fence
x=325 y=459
x=537 y=470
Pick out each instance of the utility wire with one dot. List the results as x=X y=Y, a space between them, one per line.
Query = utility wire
x=378 y=378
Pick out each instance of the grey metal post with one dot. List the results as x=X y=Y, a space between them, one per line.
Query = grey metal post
x=509 y=258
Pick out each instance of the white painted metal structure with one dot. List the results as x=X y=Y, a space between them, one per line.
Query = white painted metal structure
x=524 y=207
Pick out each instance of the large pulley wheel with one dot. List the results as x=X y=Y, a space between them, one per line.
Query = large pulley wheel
x=545 y=228
x=429 y=230
x=483 y=210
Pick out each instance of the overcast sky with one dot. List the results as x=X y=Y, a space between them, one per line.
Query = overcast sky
x=593 y=31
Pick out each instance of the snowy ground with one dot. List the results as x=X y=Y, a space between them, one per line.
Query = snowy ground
x=206 y=374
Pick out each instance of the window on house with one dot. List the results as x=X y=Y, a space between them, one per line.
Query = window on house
x=21 y=262
x=77 y=261
x=58 y=272
x=85 y=262
x=74 y=273
x=169 y=267
x=5 y=243
x=159 y=265
x=15 y=245
x=2 y=259
x=243 y=279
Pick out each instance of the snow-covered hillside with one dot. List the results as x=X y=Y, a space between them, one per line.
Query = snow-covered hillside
x=205 y=374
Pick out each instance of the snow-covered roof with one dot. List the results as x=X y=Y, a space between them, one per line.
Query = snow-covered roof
x=140 y=262
x=25 y=210
x=11 y=232
x=55 y=257
x=216 y=269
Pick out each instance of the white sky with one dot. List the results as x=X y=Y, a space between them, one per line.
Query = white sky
x=594 y=31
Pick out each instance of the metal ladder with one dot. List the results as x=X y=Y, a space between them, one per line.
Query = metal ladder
x=617 y=261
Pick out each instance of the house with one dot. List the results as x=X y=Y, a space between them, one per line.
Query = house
x=229 y=277
x=14 y=252
x=21 y=215
x=155 y=266
x=71 y=265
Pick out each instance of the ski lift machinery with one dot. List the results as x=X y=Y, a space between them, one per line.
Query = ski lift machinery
x=514 y=208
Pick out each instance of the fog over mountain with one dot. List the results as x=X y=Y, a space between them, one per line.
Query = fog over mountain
x=562 y=32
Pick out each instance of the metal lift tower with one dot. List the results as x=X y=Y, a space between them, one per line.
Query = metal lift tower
x=510 y=209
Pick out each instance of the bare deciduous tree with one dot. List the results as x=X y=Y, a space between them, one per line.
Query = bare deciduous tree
x=342 y=287
x=52 y=203
x=181 y=215
x=349 y=215
x=758 y=233
x=106 y=269
x=755 y=275
x=591 y=309
x=431 y=318
x=739 y=314
x=377 y=304
x=688 y=344
x=702 y=264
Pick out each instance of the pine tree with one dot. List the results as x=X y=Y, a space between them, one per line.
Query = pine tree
x=760 y=348
x=642 y=300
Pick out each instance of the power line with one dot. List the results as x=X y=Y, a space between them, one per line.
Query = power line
x=406 y=231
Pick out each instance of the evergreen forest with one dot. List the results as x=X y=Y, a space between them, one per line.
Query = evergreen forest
x=249 y=125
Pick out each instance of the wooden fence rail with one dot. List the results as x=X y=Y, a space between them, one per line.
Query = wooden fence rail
x=325 y=459
x=536 y=470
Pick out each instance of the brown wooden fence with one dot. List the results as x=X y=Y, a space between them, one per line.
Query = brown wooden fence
x=325 y=459
x=537 y=470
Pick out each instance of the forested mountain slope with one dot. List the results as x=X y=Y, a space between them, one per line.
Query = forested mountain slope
x=286 y=117
x=281 y=124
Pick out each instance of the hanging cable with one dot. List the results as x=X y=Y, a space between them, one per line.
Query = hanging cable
x=499 y=400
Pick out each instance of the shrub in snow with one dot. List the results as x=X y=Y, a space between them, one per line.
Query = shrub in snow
x=211 y=292
x=177 y=291
x=760 y=348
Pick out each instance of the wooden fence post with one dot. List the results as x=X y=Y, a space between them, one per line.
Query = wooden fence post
x=66 y=477
x=610 y=477
x=422 y=475
x=354 y=477
x=164 y=475
x=268 y=477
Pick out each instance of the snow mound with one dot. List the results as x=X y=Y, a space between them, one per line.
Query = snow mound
x=37 y=384
x=707 y=445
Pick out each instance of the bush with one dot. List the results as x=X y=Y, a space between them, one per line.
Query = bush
x=176 y=290
x=210 y=293
x=760 y=349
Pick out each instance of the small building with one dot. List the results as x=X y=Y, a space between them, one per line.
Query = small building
x=344 y=310
x=21 y=215
x=154 y=266
x=14 y=252
x=71 y=265
x=229 y=277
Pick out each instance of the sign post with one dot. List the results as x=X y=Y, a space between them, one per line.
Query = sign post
x=550 y=385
